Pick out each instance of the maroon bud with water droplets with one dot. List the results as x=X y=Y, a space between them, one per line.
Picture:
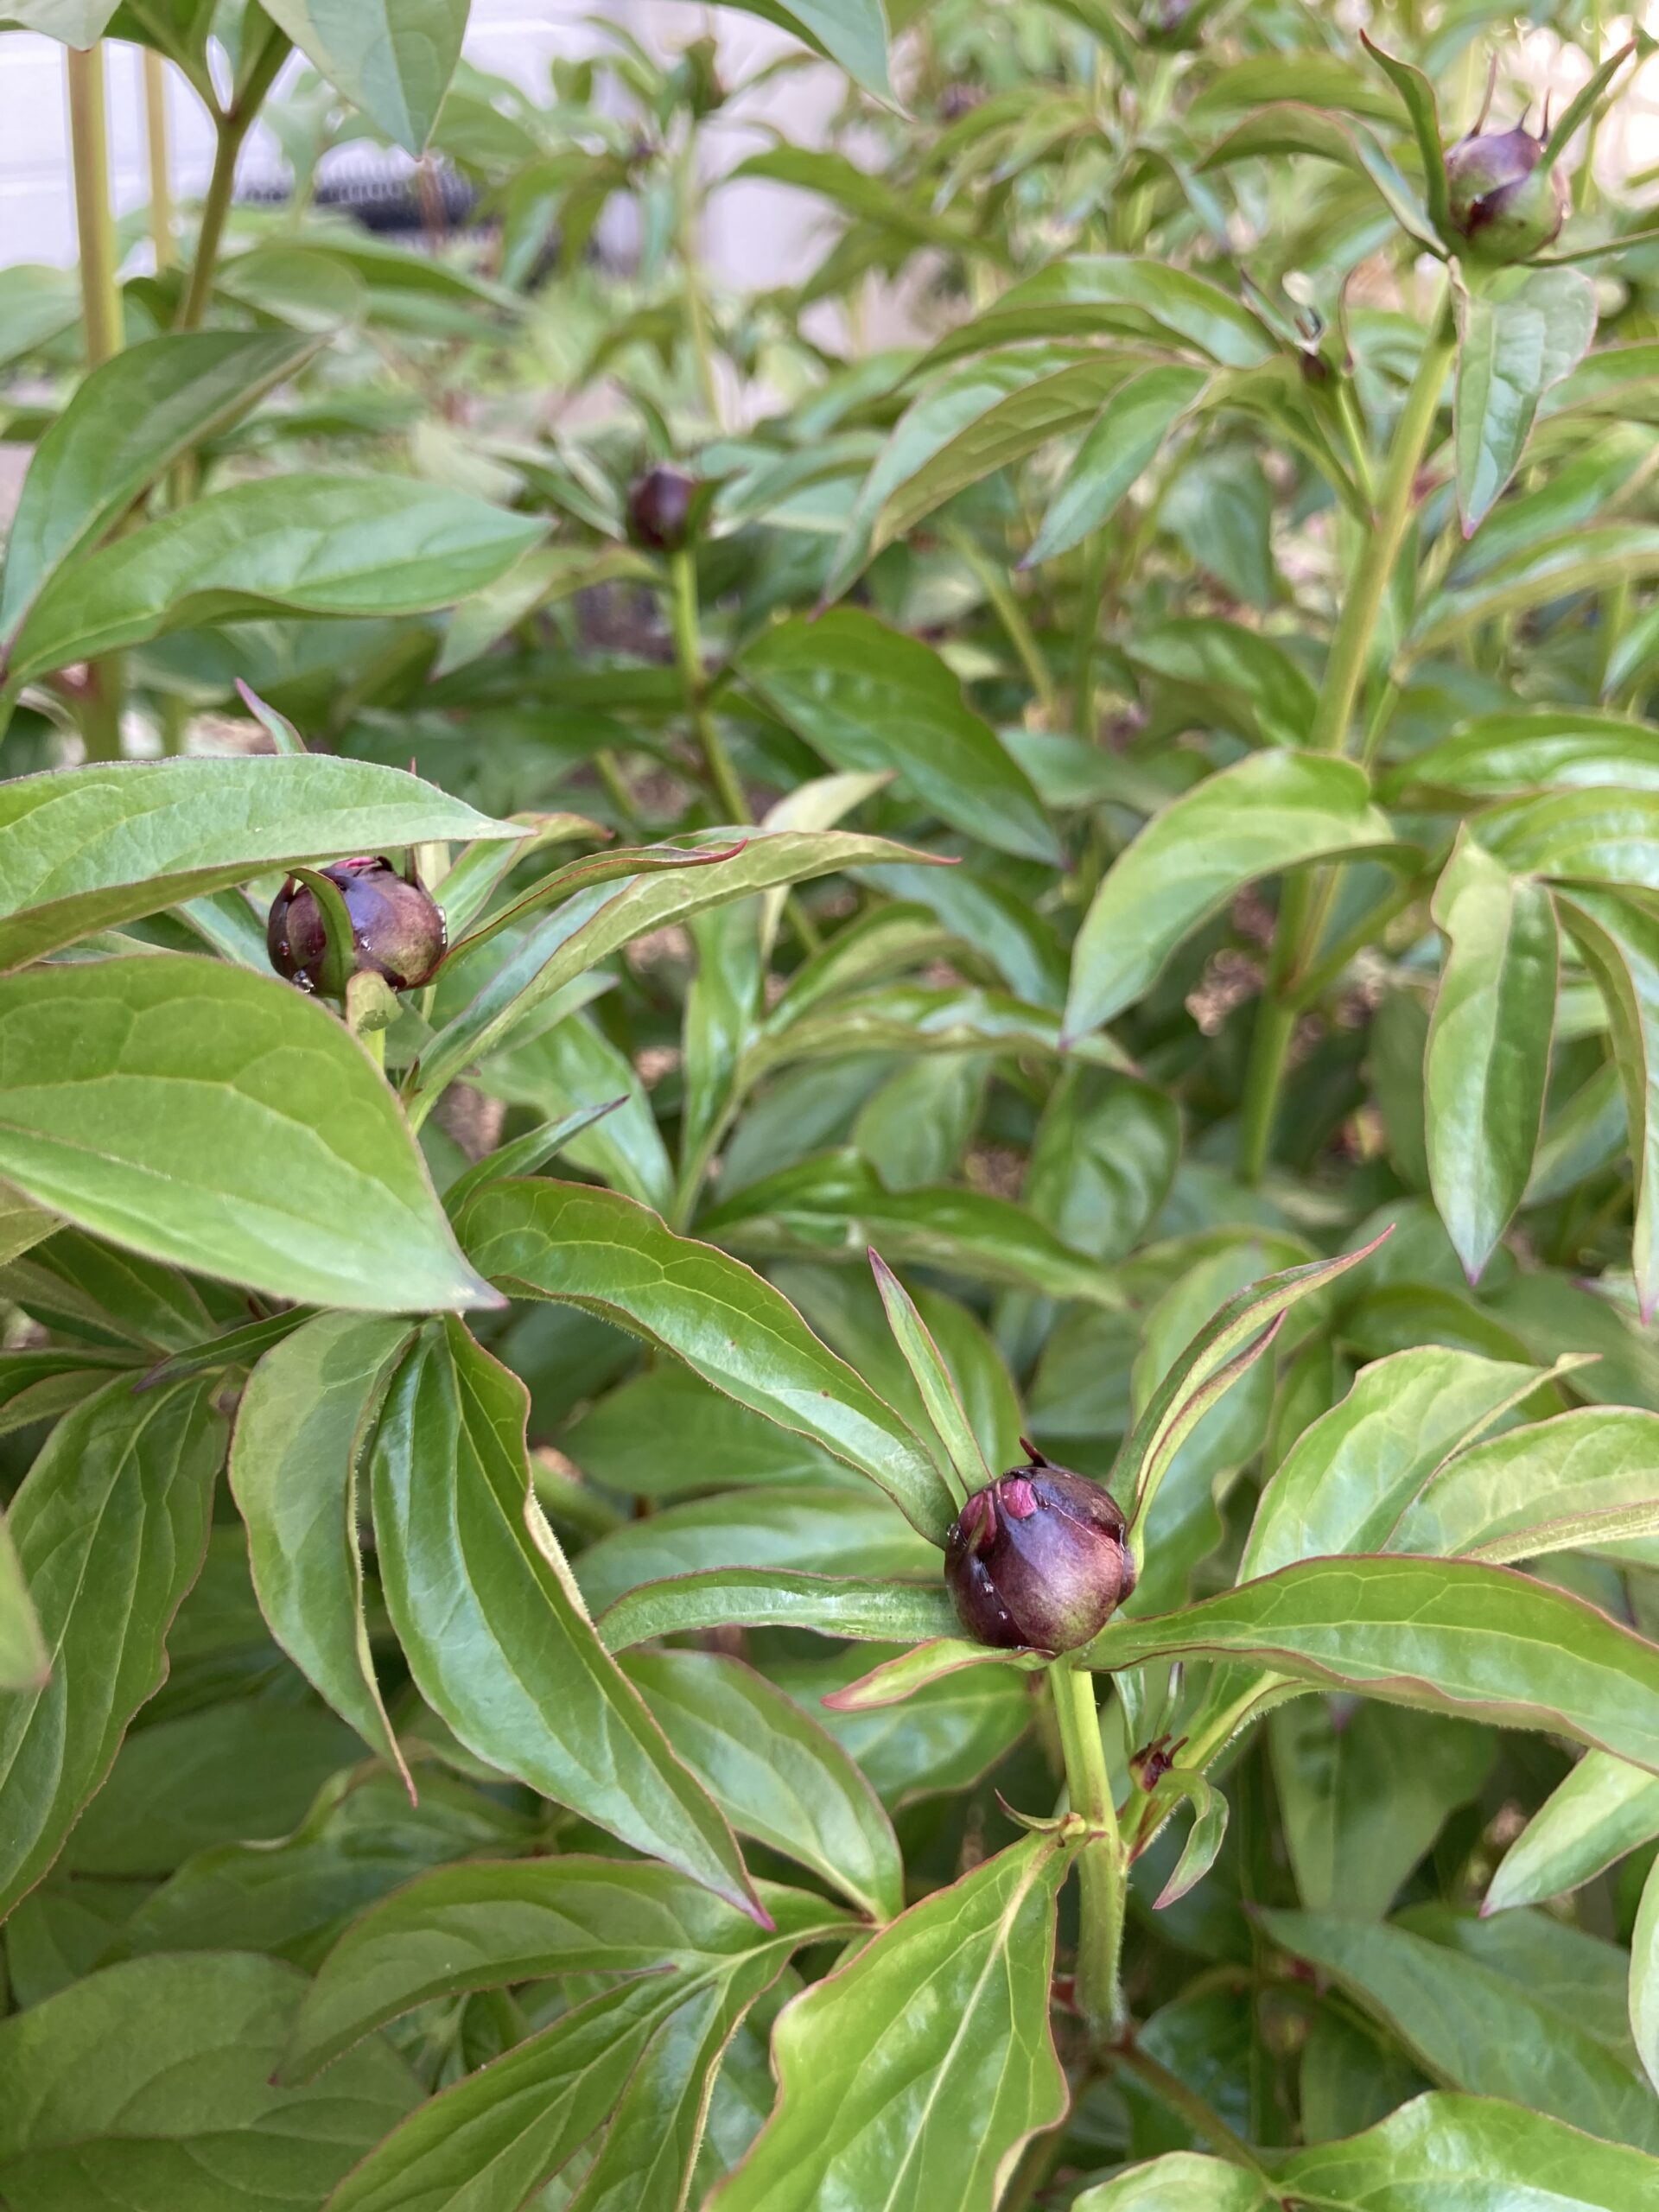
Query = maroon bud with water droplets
x=397 y=929
x=1038 y=1558
x=659 y=509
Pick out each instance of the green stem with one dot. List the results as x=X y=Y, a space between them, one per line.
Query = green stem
x=688 y=652
x=1101 y=1870
x=155 y=143
x=1004 y=603
x=1302 y=908
x=1085 y=630
x=89 y=154
x=230 y=128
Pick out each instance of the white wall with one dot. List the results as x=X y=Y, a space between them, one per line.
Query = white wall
x=757 y=232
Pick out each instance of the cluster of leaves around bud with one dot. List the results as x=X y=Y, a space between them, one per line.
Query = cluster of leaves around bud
x=1504 y=204
x=399 y=932
x=1038 y=1558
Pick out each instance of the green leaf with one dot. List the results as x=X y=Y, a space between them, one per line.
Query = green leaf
x=1181 y=2180
x=919 y=2105
x=1474 y=2027
x=1540 y=748
x=1364 y=1796
x=1618 y=939
x=1238 y=1333
x=866 y=697
x=484 y=1604
x=897 y=1679
x=311 y=545
x=1273 y=812
x=84 y=850
x=868 y=1612
x=302 y=1427
x=391 y=58
x=844 y=1529
x=1417 y=94
x=718 y=1444
x=1604 y=1809
x=1644 y=1978
x=835 y=1206
x=775 y=1774
x=77 y=22
x=1579 y=561
x=598 y=921
x=130 y=418
x=109 y=1526
x=1350 y=1474
x=24 y=1664
x=1118 y=447
x=1582 y=1480
x=852 y=32
x=1450 y=1635
x=1510 y=352
x=592 y=1249
x=223 y=1121
x=148 y=2085
x=1116 y=295
x=524 y=1155
x=1203 y=1839
x=1487 y=1064
x=932 y=1378
x=1233 y=675
x=486 y=1924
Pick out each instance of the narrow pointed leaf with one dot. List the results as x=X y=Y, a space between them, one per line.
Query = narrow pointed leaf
x=493 y=1628
x=593 y=1248
x=1618 y=940
x=1418 y=95
x=109 y=1526
x=1644 y=1978
x=1116 y=451
x=300 y=1430
x=768 y=1597
x=934 y=1379
x=24 y=1664
x=1587 y=1477
x=1510 y=352
x=1604 y=1809
x=392 y=58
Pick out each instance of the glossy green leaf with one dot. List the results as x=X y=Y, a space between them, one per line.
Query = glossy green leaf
x=1474 y=2027
x=896 y=1680
x=916 y=2072
x=302 y=1428
x=524 y=1155
x=771 y=1597
x=945 y=1735
x=718 y=1444
x=131 y=418
x=1237 y=675
x=1350 y=1474
x=489 y=1616
x=932 y=1378
x=391 y=58
x=86 y=849
x=1203 y=1839
x=1618 y=940
x=1604 y=1809
x=222 y=1120
x=1118 y=296
x=1487 y=1063
x=356 y=545
x=1542 y=748
x=1587 y=1477
x=1581 y=560
x=1118 y=447
x=484 y=1924
x=109 y=1526
x=1181 y=2180
x=1273 y=812
x=1644 y=1978
x=868 y=698
x=148 y=2085
x=846 y=1529
x=852 y=32
x=835 y=1206
x=596 y=922
x=77 y=22
x=1510 y=352
x=1418 y=95
x=592 y=1249
x=1452 y=1635
x=24 y=1664
x=775 y=1774
x=1238 y=1333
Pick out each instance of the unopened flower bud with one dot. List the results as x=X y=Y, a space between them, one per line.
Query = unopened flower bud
x=1505 y=206
x=397 y=929
x=659 y=509
x=1038 y=1558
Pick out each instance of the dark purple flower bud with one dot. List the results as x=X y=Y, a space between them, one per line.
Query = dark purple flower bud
x=1038 y=1557
x=659 y=509
x=397 y=929
x=1505 y=204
